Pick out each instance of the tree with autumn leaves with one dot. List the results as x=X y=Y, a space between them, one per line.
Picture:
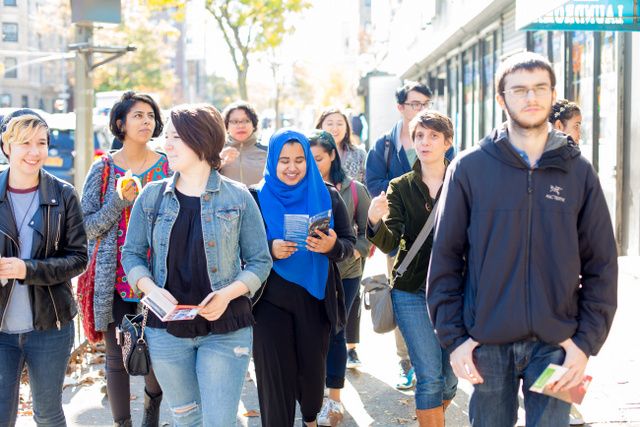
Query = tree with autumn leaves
x=248 y=27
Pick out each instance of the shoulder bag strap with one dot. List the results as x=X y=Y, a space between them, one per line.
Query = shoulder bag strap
x=413 y=250
x=354 y=196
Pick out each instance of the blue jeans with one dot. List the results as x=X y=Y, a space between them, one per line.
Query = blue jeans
x=201 y=377
x=495 y=402
x=337 y=355
x=435 y=379
x=46 y=354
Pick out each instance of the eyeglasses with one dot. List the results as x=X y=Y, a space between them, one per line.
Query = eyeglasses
x=523 y=92
x=418 y=105
x=239 y=122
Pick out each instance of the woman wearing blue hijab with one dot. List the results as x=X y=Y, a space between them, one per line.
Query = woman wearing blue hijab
x=302 y=300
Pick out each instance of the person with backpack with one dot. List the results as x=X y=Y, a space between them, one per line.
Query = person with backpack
x=357 y=200
x=392 y=156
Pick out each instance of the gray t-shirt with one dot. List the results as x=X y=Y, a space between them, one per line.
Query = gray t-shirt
x=18 y=317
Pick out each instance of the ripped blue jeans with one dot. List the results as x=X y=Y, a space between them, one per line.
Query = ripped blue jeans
x=201 y=377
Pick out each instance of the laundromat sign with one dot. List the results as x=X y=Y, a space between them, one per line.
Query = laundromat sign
x=594 y=15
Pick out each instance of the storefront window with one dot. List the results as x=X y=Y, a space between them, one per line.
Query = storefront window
x=608 y=111
x=452 y=101
x=467 y=66
x=538 y=43
x=475 y=123
x=582 y=61
x=557 y=60
x=488 y=72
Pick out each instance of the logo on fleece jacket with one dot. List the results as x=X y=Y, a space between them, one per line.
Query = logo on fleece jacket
x=554 y=193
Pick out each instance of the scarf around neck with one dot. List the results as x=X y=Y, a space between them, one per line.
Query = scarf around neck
x=310 y=196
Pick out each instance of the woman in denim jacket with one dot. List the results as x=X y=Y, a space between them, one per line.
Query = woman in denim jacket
x=210 y=222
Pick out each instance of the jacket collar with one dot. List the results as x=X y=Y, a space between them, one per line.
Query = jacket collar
x=49 y=192
x=417 y=179
x=559 y=149
x=213 y=183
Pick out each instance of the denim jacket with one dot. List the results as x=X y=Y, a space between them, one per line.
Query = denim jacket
x=232 y=230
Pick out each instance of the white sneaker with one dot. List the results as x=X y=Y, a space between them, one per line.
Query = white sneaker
x=331 y=413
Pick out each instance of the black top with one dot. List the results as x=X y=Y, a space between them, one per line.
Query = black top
x=189 y=283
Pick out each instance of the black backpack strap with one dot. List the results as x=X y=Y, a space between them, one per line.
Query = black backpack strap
x=387 y=153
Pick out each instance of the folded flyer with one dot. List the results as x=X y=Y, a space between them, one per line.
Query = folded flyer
x=297 y=227
x=168 y=311
x=551 y=375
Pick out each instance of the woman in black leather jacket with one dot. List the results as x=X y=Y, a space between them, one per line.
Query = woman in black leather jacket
x=43 y=245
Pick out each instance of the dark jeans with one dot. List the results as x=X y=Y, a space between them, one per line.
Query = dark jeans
x=46 y=354
x=494 y=403
x=337 y=356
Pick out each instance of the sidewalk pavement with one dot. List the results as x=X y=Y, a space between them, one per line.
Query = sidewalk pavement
x=371 y=399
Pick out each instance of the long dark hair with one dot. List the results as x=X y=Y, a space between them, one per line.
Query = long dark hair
x=346 y=141
x=324 y=140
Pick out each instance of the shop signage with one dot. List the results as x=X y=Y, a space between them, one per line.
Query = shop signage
x=594 y=15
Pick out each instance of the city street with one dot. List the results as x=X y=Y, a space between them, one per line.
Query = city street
x=370 y=398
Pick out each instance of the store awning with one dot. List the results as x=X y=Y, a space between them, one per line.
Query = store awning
x=574 y=15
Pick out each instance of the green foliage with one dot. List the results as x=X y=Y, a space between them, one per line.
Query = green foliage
x=247 y=26
x=147 y=68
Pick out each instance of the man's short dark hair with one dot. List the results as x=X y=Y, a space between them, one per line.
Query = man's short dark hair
x=523 y=61
x=403 y=91
x=244 y=106
x=122 y=107
x=201 y=128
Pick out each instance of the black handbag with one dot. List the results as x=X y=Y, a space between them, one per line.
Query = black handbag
x=135 y=353
x=130 y=334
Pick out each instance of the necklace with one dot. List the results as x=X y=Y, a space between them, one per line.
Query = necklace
x=13 y=212
x=144 y=161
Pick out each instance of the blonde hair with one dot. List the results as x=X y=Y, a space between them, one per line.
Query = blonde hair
x=21 y=128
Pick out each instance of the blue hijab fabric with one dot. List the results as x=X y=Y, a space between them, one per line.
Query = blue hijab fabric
x=309 y=196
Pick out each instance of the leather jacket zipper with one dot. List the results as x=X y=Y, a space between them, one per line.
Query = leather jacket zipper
x=13 y=281
x=57 y=241
x=46 y=253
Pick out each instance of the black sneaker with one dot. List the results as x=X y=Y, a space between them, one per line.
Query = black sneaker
x=352 y=359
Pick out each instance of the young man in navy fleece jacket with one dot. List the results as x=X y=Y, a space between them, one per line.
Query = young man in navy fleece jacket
x=523 y=270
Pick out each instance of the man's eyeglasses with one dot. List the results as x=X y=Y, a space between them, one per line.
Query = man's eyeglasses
x=239 y=122
x=418 y=105
x=523 y=92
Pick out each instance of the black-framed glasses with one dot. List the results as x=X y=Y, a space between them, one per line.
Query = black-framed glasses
x=416 y=105
x=523 y=92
